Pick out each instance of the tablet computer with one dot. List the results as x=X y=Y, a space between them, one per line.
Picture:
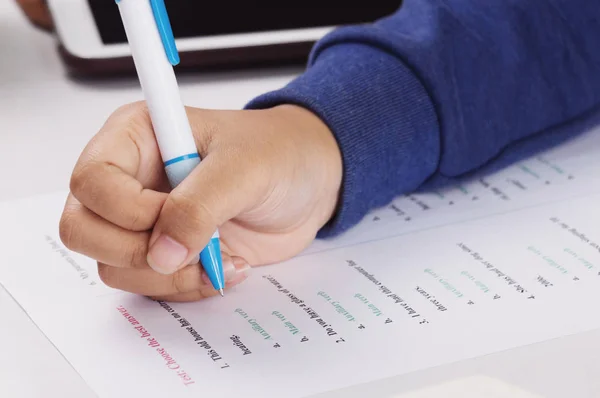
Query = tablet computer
x=208 y=34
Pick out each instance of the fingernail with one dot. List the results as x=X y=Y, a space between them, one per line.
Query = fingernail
x=232 y=270
x=241 y=266
x=166 y=255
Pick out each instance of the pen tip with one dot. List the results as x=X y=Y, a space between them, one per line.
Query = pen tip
x=221 y=291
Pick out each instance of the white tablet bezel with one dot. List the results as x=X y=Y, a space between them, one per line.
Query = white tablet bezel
x=75 y=25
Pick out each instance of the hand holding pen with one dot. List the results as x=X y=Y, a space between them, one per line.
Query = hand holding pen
x=154 y=52
x=268 y=181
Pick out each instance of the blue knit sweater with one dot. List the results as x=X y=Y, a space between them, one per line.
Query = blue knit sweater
x=443 y=88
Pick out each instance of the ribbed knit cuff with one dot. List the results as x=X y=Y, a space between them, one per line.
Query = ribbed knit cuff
x=381 y=116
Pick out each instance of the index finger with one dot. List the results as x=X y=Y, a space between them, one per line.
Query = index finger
x=119 y=175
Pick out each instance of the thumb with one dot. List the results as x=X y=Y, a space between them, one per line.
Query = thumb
x=217 y=190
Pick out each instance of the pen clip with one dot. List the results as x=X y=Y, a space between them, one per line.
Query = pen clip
x=164 y=28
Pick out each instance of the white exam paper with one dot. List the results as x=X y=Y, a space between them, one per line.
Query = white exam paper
x=478 y=386
x=374 y=304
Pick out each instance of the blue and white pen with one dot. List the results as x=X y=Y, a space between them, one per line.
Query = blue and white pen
x=152 y=44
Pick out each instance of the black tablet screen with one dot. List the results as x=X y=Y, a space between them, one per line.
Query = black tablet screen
x=193 y=18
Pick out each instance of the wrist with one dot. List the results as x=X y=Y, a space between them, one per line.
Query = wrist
x=322 y=155
x=382 y=117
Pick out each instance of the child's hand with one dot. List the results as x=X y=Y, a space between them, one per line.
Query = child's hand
x=269 y=179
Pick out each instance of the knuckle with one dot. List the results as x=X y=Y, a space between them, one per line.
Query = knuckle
x=134 y=221
x=206 y=216
x=182 y=203
x=79 y=179
x=187 y=280
x=84 y=183
x=68 y=229
x=135 y=256
x=192 y=214
x=137 y=221
x=140 y=219
x=179 y=282
x=107 y=275
x=129 y=119
x=137 y=115
x=138 y=216
x=132 y=109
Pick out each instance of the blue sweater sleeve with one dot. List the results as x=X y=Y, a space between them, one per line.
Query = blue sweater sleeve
x=442 y=87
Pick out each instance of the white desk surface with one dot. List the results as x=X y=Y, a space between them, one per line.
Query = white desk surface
x=46 y=117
